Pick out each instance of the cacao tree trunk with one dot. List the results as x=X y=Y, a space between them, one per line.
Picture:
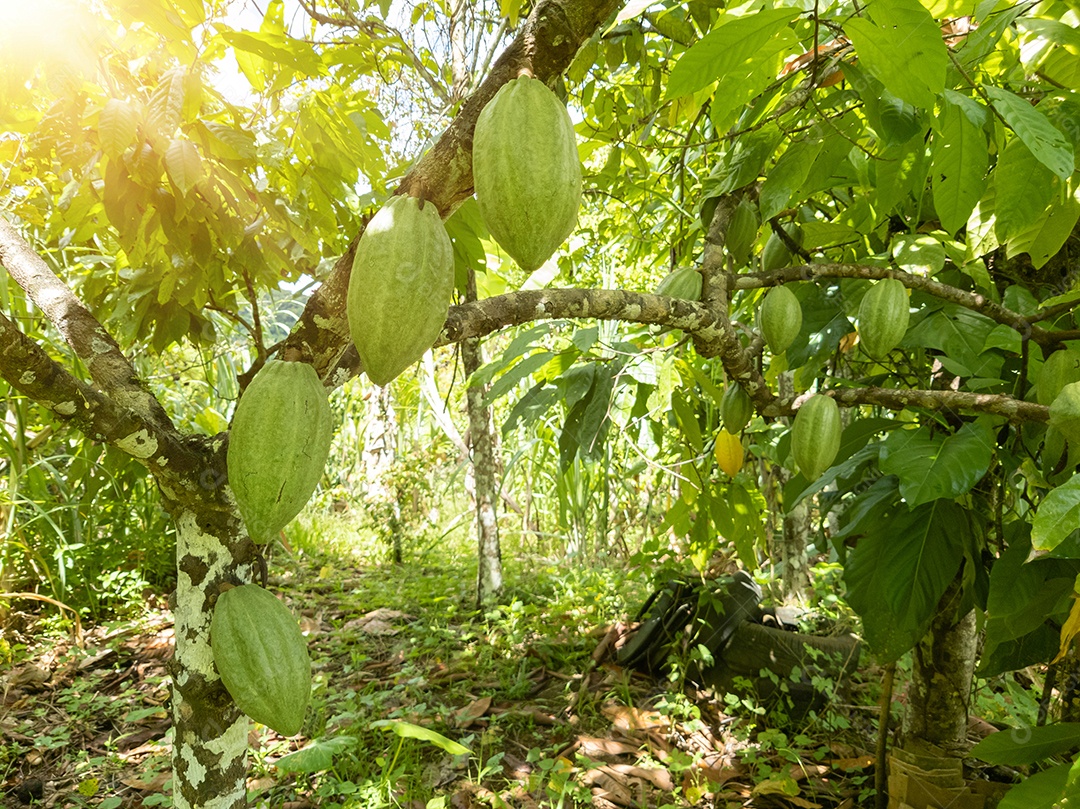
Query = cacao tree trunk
x=380 y=448
x=794 y=528
x=482 y=446
x=212 y=549
x=943 y=667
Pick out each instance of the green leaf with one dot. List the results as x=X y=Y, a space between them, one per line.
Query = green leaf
x=1023 y=594
x=742 y=164
x=918 y=254
x=959 y=162
x=117 y=126
x=1058 y=516
x=1026 y=745
x=1048 y=234
x=788 y=175
x=900 y=568
x=183 y=164
x=1045 y=141
x=1024 y=189
x=738 y=47
x=931 y=467
x=902 y=48
x=166 y=106
x=277 y=48
x=316 y=757
x=961 y=334
x=407 y=730
x=899 y=169
x=1001 y=656
x=1040 y=791
x=509 y=380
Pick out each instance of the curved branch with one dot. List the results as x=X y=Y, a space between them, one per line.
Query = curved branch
x=971 y=300
x=31 y=371
x=80 y=329
x=1014 y=410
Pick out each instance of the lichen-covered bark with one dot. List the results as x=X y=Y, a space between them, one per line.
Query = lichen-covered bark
x=941 y=677
x=210 y=743
x=87 y=337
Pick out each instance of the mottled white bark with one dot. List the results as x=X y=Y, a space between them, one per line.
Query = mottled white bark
x=210 y=743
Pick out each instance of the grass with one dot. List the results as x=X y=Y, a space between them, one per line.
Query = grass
x=394 y=705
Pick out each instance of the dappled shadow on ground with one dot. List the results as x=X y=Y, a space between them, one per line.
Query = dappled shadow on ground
x=529 y=688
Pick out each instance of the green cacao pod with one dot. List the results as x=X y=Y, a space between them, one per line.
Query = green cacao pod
x=781 y=318
x=1065 y=412
x=400 y=288
x=883 y=317
x=684 y=282
x=736 y=408
x=262 y=657
x=742 y=231
x=280 y=438
x=815 y=435
x=526 y=171
x=776 y=255
x=1061 y=368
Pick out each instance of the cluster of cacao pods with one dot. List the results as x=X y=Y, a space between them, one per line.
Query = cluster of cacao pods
x=262 y=657
x=526 y=171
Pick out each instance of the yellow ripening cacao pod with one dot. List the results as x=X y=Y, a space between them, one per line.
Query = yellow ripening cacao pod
x=781 y=318
x=526 y=171
x=262 y=657
x=883 y=317
x=278 y=444
x=815 y=435
x=399 y=292
x=729 y=453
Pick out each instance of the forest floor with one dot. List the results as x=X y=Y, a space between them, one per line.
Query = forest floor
x=402 y=665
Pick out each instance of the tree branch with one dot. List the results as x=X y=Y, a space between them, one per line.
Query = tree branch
x=31 y=371
x=1014 y=410
x=80 y=329
x=971 y=300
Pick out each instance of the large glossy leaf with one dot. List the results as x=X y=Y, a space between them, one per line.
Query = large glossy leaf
x=184 y=165
x=1027 y=745
x=900 y=568
x=1046 y=236
x=1024 y=189
x=1024 y=594
x=278 y=48
x=1045 y=141
x=1058 y=516
x=902 y=48
x=934 y=466
x=737 y=48
x=1038 y=646
x=788 y=175
x=961 y=334
x=1040 y=791
x=117 y=125
x=960 y=159
x=316 y=756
